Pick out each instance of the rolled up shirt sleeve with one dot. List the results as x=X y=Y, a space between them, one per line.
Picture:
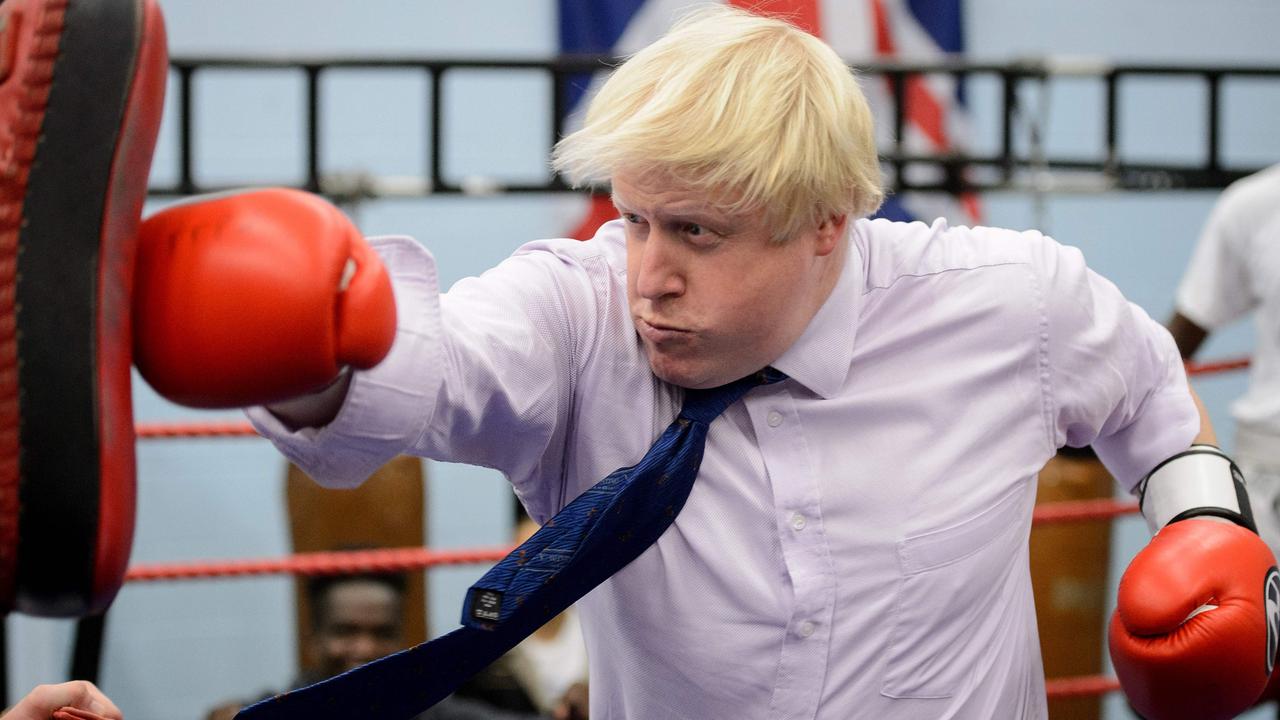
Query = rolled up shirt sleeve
x=483 y=374
x=1116 y=380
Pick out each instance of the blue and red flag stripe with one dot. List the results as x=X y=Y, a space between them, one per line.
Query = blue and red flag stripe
x=906 y=29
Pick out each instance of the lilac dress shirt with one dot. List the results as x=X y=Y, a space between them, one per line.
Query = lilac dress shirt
x=856 y=543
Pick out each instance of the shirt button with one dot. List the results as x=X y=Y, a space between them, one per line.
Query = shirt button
x=798 y=521
x=806 y=629
x=775 y=419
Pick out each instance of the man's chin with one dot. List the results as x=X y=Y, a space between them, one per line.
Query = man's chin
x=684 y=374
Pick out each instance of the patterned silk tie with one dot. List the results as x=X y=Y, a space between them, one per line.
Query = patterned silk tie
x=590 y=539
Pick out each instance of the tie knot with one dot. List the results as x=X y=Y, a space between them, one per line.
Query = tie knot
x=706 y=405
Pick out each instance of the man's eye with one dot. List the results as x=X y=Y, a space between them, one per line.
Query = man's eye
x=694 y=230
x=632 y=218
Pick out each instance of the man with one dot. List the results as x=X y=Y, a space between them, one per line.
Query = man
x=357 y=619
x=855 y=543
x=1236 y=270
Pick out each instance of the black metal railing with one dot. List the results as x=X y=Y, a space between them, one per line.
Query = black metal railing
x=1008 y=167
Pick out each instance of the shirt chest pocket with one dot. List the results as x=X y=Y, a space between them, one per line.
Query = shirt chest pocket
x=952 y=596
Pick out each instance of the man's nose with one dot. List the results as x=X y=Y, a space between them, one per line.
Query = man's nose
x=660 y=273
x=366 y=647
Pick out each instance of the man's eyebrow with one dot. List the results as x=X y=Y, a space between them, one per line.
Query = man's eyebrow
x=694 y=213
x=699 y=215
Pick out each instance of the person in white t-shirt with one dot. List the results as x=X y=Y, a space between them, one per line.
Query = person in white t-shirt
x=1235 y=270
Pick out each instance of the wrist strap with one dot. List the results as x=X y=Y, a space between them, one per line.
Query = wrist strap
x=1198 y=482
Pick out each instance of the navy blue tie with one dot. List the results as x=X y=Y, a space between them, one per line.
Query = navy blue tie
x=589 y=540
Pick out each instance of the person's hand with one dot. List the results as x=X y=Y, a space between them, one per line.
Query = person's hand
x=44 y=700
x=573 y=704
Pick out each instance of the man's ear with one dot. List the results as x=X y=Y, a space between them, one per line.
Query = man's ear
x=830 y=233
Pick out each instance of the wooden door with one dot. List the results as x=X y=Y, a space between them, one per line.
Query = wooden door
x=386 y=511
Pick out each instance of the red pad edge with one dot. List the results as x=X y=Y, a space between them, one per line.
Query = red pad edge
x=122 y=216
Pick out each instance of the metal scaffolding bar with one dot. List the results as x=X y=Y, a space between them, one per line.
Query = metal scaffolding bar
x=1009 y=168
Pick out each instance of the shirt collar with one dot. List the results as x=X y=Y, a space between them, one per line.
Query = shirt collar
x=821 y=357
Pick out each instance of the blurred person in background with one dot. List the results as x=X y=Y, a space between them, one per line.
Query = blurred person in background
x=1234 y=271
x=357 y=619
x=545 y=673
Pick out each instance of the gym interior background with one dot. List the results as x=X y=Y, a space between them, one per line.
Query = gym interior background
x=174 y=649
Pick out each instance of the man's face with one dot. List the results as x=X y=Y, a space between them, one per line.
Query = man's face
x=359 y=622
x=712 y=296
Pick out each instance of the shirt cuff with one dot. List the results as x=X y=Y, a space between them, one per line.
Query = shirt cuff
x=388 y=407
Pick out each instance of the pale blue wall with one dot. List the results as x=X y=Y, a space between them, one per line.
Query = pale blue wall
x=173 y=650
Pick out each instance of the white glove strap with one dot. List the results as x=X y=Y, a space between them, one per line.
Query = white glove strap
x=1201 y=481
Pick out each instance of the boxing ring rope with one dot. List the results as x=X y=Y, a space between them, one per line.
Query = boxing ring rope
x=157 y=431
x=1073 y=687
x=418 y=558
x=388 y=560
x=1214 y=367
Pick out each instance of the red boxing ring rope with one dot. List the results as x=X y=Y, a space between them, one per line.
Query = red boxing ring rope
x=406 y=559
x=154 y=431
x=320 y=563
x=1085 y=686
x=1218 y=366
x=1079 y=510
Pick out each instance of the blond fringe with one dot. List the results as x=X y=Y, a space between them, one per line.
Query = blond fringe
x=751 y=110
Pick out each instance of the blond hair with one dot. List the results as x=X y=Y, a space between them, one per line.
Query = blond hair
x=753 y=110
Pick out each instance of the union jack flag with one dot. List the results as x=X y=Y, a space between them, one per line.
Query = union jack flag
x=859 y=30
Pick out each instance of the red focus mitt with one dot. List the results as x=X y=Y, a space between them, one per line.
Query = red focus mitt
x=81 y=93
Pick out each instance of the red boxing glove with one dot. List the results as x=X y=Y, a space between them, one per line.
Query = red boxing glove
x=1194 y=632
x=256 y=297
